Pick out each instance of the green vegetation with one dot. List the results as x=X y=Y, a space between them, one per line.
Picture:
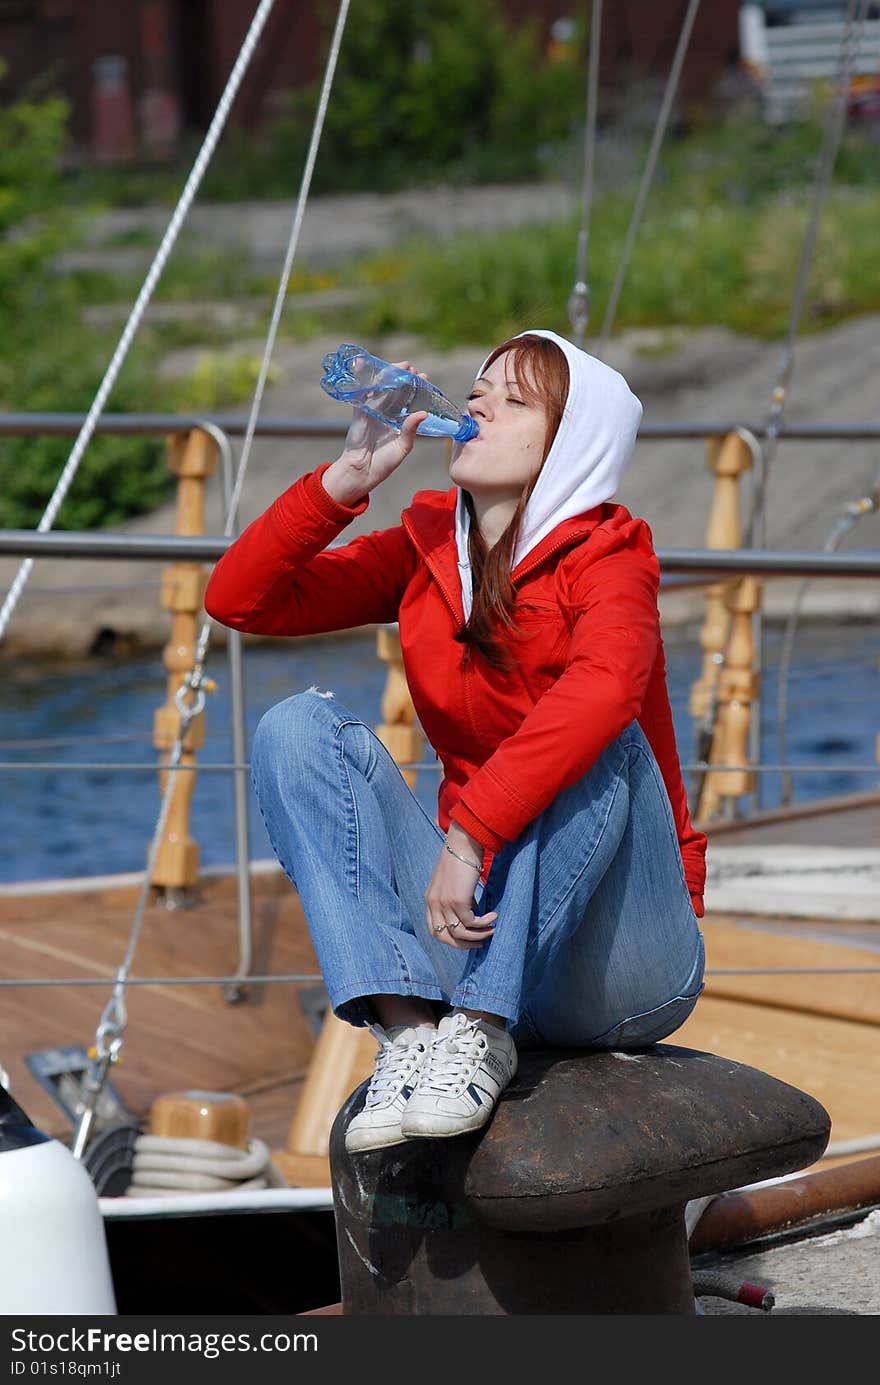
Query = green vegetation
x=48 y=360
x=427 y=91
x=51 y=360
x=719 y=244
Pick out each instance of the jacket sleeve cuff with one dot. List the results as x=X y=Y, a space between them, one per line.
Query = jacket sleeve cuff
x=476 y=828
x=324 y=503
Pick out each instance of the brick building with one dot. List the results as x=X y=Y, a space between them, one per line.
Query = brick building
x=138 y=73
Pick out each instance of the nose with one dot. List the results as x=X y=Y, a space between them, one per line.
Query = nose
x=480 y=408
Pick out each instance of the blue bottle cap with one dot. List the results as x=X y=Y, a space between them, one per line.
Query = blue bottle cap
x=469 y=429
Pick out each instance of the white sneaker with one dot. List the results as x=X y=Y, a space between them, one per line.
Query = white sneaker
x=402 y=1054
x=469 y=1064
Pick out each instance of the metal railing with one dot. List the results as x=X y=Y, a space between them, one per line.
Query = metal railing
x=689 y=566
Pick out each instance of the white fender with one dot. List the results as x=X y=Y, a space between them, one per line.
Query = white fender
x=51 y=1226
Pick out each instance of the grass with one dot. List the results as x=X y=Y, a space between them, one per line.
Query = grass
x=719 y=244
x=694 y=264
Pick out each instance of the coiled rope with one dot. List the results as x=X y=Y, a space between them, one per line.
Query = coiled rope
x=163 y=1165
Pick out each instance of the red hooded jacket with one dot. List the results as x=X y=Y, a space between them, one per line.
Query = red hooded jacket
x=590 y=661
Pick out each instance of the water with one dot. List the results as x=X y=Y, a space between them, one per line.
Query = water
x=391 y=394
x=96 y=822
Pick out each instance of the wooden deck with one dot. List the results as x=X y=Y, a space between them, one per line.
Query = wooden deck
x=821 y=1032
x=178 y=1036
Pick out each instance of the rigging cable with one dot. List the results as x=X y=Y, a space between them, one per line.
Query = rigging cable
x=852 y=511
x=766 y=453
x=579 y=300
x=159 y=261
x=833 y=132
x=190 y=695
x=648 y=174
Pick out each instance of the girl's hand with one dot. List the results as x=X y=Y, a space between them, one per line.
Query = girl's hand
x=450 y=900
x=372 y=452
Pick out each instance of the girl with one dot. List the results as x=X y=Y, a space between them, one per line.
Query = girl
x=557 y=902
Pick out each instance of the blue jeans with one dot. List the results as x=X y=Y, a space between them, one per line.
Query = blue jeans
x=596 y=941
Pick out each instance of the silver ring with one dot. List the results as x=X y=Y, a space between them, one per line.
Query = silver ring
x=452 y=926
x=439 y=928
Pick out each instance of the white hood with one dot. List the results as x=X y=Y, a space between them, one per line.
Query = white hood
x=592 y=446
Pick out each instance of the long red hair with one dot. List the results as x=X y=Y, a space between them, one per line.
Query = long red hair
x=541 y=371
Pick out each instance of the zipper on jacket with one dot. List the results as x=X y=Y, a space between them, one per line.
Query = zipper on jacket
x=432 y=569
x=563 y=543
x=466 y=688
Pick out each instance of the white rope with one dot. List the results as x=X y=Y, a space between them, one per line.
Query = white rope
x=190 y=696
x=143 y=298
x=648 y=174
x=317 y=130
x=166 y=1164
x=579 y=300
x=832 y=134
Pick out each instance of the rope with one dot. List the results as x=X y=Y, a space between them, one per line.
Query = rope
x=853 y=511
x=648 y=174
x=579 y=301
x=833 y=131
x=764 y=453
x=721 y=1284
x=163 y=1165
x=143 y=298
x=190 y=696
x=317 y=130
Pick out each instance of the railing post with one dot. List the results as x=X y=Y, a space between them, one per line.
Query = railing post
x=721 y=697
x=342 y=1058
x=737 y=690
x=192 y=457
x=722 y=531
x=398 y=730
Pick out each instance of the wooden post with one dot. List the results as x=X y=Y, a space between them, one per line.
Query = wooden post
x=192 y=457
x=398 y=731
x=342 y=1059
x=738 y=687
x=727 y=676
x=727 y=457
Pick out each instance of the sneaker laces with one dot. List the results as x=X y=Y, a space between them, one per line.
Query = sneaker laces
x=393 y=1064
x=452 y=1056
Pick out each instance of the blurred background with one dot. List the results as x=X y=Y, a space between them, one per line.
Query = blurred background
x=445 y=203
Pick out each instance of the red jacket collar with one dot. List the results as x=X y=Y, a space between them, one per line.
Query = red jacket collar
x=430 y=522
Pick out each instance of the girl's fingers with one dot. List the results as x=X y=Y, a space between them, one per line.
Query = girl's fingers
x=410 y=424
x=469 y=932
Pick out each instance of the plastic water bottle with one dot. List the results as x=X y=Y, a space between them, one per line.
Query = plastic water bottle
x=391 y=394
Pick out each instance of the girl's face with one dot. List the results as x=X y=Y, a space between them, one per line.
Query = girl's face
x=508 y=451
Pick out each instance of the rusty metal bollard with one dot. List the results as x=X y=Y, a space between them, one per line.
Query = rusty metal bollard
x=572 y=1200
